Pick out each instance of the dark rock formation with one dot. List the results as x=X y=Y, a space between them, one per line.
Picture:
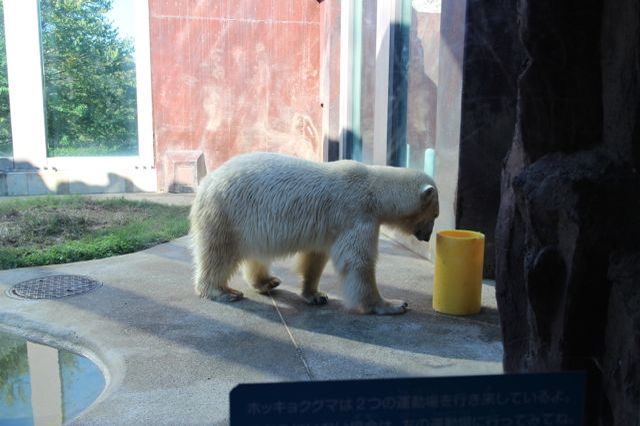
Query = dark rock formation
x=568 y=233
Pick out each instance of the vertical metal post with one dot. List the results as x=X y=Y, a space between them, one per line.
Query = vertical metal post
x=346 y=58
x=24 y=71
x=354 y=145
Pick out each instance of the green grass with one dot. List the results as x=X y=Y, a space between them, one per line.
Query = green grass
x=38 y=231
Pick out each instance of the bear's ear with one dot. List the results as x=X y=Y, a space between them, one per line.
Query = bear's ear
x=427 y=194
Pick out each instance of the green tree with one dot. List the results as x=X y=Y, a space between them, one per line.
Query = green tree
x=89 y=76
x=5 y=121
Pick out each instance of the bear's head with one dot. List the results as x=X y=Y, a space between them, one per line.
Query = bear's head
x=424 y=220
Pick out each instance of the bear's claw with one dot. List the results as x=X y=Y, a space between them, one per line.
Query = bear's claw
x=390 y=307
x=267 y=284
x=317 y=298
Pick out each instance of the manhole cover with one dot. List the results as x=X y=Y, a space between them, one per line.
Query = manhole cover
x=54 y=287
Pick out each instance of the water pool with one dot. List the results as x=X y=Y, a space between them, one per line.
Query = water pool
x=40 y=384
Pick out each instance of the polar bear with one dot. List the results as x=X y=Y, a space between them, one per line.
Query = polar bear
x=261 y=206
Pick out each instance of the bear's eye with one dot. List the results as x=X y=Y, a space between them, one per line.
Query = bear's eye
x=427 y=193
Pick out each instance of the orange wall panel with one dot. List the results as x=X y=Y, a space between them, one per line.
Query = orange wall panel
x=235 y=76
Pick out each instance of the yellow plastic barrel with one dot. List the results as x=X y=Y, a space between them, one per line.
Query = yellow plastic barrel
x=457 y=282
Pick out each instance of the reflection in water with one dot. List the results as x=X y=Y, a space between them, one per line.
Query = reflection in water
x=43 y=385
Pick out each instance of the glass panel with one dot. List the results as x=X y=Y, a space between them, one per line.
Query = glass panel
x=353 y=137
x=422 y=92
x=359 y=138
x=89 y=77
x=6 y=149
x=368 y=79
x=397 y=142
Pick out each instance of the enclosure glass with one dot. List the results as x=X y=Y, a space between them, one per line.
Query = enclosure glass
x=368 y=82
x=89 y=68
x=422 y=83
x=394 y=74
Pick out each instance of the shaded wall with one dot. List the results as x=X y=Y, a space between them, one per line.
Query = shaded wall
x=235 y=76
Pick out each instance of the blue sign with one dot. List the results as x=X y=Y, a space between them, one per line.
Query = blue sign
x=497 y=400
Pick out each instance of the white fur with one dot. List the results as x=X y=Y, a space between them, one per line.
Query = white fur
x=261 y=206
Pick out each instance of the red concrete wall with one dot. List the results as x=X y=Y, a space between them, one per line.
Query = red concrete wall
x=232 y=76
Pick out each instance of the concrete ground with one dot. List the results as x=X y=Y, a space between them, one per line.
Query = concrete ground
x=172 y=358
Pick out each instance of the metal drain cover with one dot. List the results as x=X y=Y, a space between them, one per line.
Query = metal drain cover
x=54 y=287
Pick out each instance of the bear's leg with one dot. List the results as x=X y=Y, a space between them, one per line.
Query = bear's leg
x=215 y=264
x=257 y=274
x=310 y=265
x=354 y=255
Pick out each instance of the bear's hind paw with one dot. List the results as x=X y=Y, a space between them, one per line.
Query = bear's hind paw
x=390 y=307
x=227 y=295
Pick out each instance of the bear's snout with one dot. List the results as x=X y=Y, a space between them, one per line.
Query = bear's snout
x=423 y=231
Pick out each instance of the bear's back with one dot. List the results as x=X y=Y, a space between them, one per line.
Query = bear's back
x=279 y=203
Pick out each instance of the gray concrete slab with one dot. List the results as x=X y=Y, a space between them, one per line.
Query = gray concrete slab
x=172 y=358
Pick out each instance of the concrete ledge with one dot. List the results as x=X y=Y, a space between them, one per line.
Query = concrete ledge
x=46 y=182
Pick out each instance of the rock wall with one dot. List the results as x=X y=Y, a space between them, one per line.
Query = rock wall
x=567 y=251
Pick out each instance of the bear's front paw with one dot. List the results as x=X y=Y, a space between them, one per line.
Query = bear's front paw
x=317 y=298
x=226 y=296
x=390 y=307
